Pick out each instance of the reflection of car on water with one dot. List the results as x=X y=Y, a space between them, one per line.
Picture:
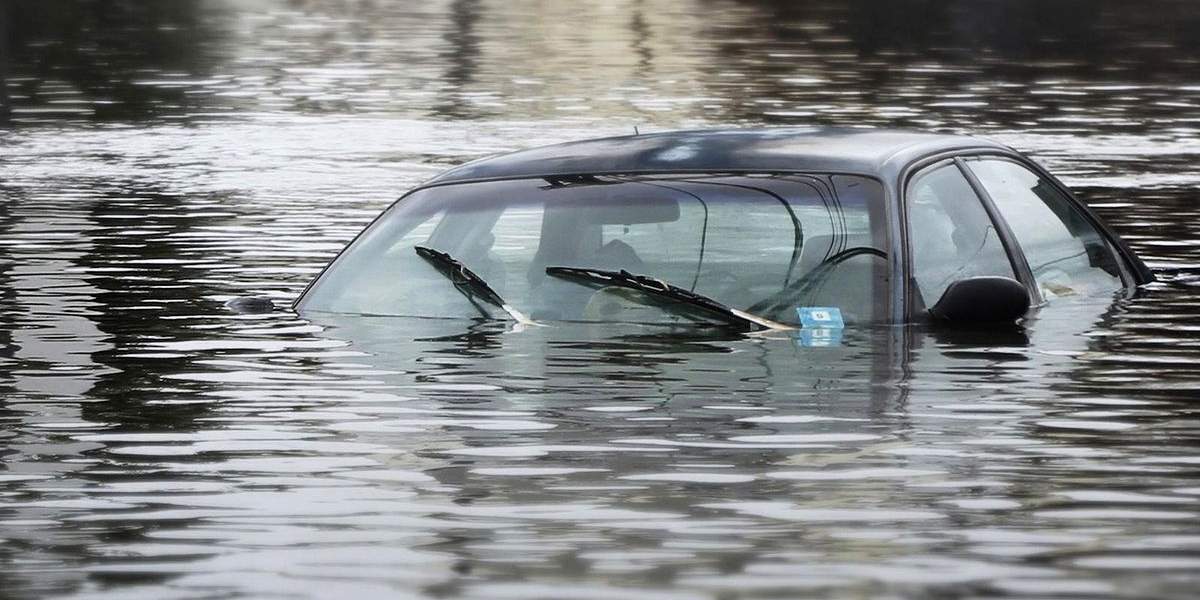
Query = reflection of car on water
x=755 y=229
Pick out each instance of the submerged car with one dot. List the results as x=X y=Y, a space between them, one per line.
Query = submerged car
x=753 y=229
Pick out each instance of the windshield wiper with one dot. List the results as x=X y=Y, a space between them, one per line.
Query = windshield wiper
x=662 y=290
x=466 y=281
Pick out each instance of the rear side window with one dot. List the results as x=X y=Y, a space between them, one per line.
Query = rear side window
x=952 y=237
x=1067 y=254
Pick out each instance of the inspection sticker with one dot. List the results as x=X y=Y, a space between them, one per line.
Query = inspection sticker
x=826 y=317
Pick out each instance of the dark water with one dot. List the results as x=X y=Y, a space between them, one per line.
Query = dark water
x=162 y=158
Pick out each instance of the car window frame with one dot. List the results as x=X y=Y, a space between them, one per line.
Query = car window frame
x=1134 y=271
x=820 y=179
x=1016 y=257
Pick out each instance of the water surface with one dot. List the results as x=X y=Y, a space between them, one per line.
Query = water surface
x=155 y=445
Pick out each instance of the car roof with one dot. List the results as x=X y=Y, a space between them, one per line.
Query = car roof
x=804 y=149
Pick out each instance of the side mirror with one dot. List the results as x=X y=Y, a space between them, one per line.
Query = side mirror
x=982 y=300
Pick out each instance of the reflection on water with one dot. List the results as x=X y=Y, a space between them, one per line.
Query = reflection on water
x=155 y=445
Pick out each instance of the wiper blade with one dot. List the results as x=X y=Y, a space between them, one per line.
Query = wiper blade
x=466 y=281
x=662 y=290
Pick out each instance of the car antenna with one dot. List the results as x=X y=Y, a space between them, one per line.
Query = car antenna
x=635 y=130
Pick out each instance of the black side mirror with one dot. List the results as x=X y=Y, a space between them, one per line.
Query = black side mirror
x=982 y=300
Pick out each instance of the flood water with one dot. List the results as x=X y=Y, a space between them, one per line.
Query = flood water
x=163 y=158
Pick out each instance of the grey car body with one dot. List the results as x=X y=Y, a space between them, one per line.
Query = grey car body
x=891 y=158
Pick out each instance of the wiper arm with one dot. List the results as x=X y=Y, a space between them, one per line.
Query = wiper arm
x=662 y=290
x=466 y=281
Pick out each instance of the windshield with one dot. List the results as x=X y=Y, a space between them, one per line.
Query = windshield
x=767 y=244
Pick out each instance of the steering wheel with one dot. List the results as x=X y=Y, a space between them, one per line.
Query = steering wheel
x=798 y=288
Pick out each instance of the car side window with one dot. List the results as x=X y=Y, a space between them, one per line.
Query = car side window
x=951 y=235
x=1067 y=254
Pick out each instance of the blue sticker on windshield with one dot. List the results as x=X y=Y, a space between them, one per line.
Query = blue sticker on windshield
x=827 y=317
